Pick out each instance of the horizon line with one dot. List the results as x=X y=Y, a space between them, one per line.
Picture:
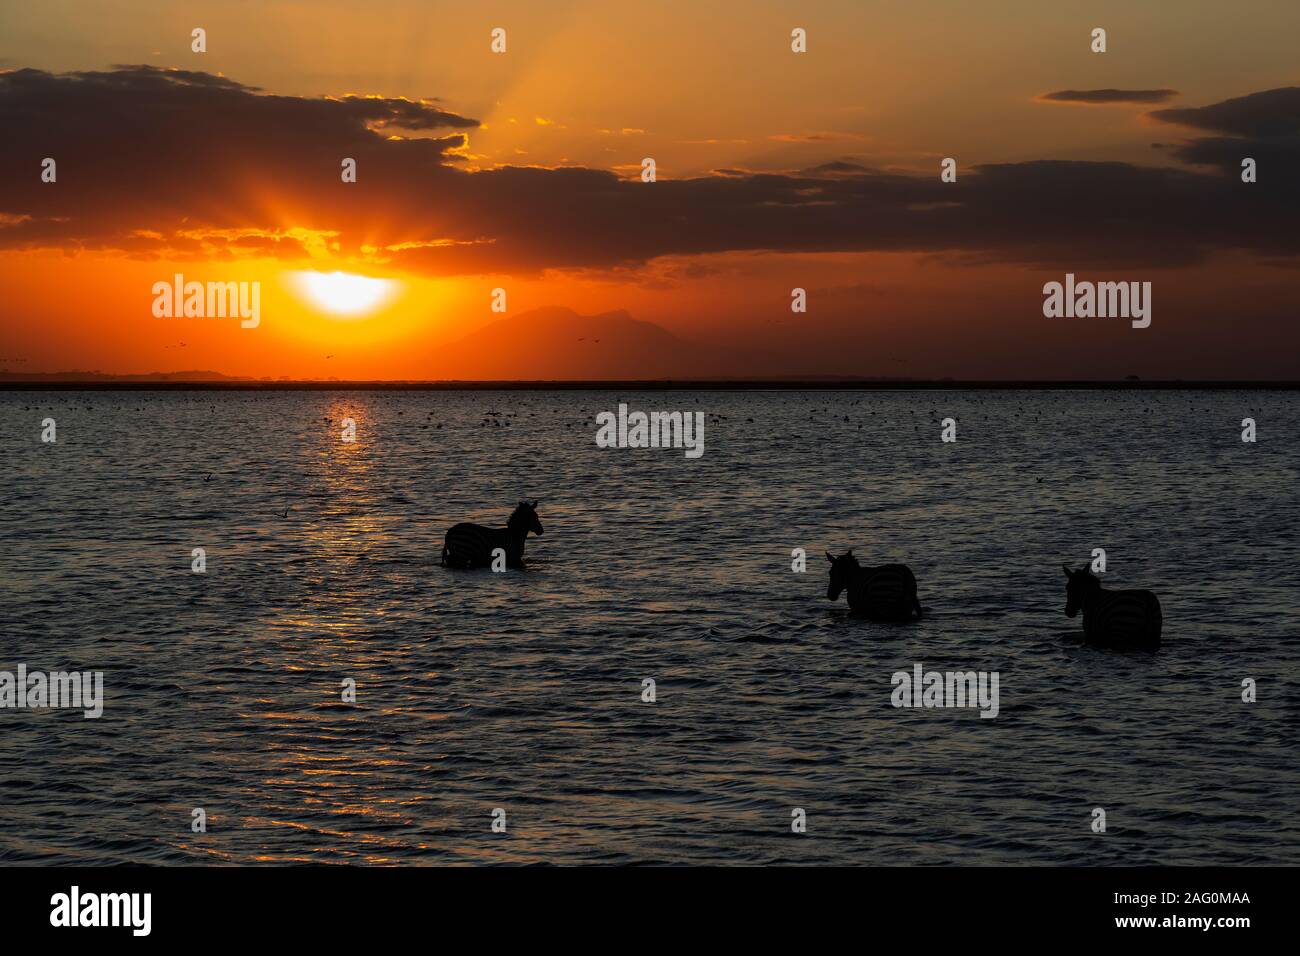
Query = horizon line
x=757 y=384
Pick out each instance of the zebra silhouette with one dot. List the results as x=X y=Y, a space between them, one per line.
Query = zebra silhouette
x=469 y=545
x=886 y=592
x=1112 y=618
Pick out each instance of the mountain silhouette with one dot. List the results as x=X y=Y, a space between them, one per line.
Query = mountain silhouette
x=556 y=343
x=98 y=377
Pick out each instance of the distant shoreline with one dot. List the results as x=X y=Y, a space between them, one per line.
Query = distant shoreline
x=715 y=385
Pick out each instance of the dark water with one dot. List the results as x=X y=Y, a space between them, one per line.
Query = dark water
x=523 y=690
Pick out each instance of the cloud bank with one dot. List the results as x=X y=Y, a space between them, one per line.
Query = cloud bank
x=172 y=163
x=1106 y=97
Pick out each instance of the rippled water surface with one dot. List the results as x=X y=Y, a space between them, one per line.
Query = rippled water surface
x=523 y=690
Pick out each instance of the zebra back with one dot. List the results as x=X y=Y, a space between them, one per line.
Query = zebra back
x=887 y=590
x=1123 y=618
x=470 y=545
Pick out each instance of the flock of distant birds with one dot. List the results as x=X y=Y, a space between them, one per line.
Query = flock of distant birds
x=1129 y=619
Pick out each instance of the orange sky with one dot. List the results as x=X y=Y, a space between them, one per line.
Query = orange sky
x=236 y=180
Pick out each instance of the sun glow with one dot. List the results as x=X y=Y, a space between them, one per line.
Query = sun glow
x=343 y=293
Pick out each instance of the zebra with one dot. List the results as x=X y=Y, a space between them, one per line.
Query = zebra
x=470 y=545
x=886 y=592
x=1112 y=618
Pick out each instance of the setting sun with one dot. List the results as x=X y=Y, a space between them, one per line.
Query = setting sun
x=343 y=293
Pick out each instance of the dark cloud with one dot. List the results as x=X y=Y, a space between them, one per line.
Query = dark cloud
x=837 y=166
x=1277 y=160
x=155 y=162
x=1103 y=97
x=1264 y=126
x=1270 y=113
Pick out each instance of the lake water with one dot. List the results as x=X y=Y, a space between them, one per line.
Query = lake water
x=523 y=690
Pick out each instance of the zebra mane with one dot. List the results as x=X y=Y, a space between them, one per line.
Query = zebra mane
x=1086 y=576
x=521 y=511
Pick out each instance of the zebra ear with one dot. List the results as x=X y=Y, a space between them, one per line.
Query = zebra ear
x=1066 y=569
x=830 y=557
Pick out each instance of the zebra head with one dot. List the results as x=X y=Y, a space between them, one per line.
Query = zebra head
x=1080 y=585
x=842 y=570
x=525 y=518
